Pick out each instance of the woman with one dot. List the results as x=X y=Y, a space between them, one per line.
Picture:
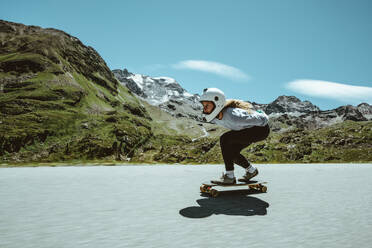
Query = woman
x=247 y=126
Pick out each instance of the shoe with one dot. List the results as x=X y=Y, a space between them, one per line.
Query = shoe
x=225 y=180
x=248 y=176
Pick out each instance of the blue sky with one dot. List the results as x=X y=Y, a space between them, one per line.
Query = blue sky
x=318 y=50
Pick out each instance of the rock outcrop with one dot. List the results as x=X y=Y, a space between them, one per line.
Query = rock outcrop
x=164 y=92
x=285 y=112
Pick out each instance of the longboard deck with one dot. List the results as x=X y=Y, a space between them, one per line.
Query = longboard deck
x=207 y=187
x=233 y=185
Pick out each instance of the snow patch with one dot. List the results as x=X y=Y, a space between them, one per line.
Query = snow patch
x=138 y=79
x=166 y=80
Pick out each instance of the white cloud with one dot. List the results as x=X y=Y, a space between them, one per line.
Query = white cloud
x=212 y=67
x=337 y=91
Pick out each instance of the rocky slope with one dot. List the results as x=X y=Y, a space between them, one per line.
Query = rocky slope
x=289 y=112
x=285 y=112
x=301 y=131
x=60 y=102
x=163 y=92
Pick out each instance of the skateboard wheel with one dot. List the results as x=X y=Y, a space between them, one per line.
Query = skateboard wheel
x=203 y=188
x=214 y=193
x=263 y=189
x=252 y=187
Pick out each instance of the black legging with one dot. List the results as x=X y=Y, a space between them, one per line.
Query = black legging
x=233 y=142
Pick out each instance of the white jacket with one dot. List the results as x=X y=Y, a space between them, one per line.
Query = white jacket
x=238 y=119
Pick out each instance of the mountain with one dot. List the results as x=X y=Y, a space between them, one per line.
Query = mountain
x=289 y=104
x=288 y=112
x=59 y=102
x=285 y=112
x=164 y=92
x=301 y=131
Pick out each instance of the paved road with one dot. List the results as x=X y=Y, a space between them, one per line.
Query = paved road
x=161 y=206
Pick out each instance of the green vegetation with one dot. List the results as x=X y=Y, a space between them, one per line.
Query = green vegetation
x=60 y=103
x=344 y=142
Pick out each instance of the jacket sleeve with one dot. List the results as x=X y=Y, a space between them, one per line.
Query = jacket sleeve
x=243 y=118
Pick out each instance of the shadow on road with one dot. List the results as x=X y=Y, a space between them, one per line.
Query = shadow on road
x=236 y=202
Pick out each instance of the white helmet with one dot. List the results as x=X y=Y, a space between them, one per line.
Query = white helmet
x=217 y=97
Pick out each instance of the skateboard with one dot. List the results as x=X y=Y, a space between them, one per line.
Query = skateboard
x=255 y=185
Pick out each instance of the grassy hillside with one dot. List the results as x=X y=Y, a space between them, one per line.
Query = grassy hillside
x=345 y=142
x=60 y=102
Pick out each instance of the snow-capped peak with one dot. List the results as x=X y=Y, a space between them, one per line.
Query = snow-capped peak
x=166 y=80
x=164 y=92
